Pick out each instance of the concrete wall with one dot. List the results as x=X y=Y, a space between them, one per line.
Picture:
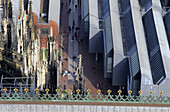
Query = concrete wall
x=161 y=33
x=78 y=108
x=93 y=16
x=54 y=11
x=93 y=23
x=116 y=32
x=36 y=7
x=165 y=53
x=141 y=42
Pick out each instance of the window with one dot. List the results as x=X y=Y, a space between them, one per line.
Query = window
x=44 y=31
x=109 y=64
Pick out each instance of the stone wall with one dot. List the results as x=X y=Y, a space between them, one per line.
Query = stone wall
x=78 y=108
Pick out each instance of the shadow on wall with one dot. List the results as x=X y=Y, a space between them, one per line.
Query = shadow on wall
x=96 y=44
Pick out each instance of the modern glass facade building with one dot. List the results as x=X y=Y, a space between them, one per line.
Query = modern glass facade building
x=134 y=36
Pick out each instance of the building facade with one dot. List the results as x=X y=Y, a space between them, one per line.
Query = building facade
x=29 y=46
x=133 y=36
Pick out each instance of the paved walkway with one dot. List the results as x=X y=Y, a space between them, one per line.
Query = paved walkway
x=63 y=27
x=72 y=44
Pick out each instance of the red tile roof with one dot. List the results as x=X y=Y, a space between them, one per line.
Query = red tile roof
x=43 y=39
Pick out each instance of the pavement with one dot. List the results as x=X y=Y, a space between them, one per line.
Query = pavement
x=70 y=46
x=74 y=47
x=63 y=26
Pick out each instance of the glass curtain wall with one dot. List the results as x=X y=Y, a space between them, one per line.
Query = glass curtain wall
x=130 y=47
x=109 y=44
x=157 y=68
x=85 y=17
x=104 y=14
x=167 y=25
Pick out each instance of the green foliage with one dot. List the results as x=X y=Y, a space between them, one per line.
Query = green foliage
x=41 y=54
x=46 y=54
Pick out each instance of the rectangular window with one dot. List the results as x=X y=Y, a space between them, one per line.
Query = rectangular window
x=43 y=31
x=109 y=64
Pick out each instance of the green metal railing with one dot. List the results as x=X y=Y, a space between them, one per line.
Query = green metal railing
x=68 y=96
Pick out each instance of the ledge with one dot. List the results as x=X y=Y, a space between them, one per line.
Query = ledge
x=84 y=103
